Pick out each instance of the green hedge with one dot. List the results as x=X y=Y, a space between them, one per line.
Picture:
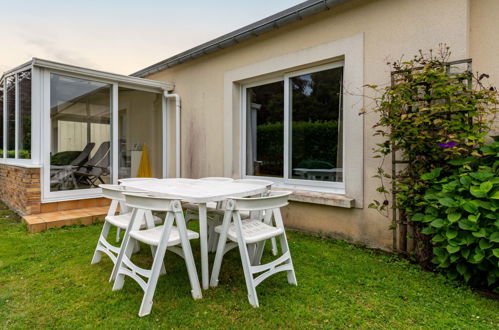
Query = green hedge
x=24 y=154
x=312 y=142
x=64 y=157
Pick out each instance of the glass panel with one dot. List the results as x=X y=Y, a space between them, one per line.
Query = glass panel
x=316 y=126
x=24 y=131
x=265 y=130
x=144 y=108
x=1 y=120
x=80 y=113
x=11 y=116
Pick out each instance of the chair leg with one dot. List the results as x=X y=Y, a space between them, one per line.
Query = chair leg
x=285 y=248
x=257 y=256
x=153 y=252
x=145 y=307
x=220 y=249
x=118 y=232
x=245 y=260
x=188 y=257
x=104 y=233
x=120 y=278
x=274 y=246
x=124 y=243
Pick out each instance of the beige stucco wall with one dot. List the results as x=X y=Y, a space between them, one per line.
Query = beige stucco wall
x=484 y=41
x=391 y=29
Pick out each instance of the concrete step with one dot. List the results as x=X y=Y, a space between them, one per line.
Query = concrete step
x=83 y=216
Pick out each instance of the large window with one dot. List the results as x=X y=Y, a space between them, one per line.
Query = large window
x=139 y=133
x=11 y=116
x=293 y=127
x=24 y=115
x=16 y=97
x=80 y=116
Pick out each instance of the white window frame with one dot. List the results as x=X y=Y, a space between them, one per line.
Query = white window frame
x=286 y=181
x=16 y=161
x=54 y=196
x=350 y=50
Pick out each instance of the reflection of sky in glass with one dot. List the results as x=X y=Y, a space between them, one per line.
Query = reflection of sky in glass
x=307 y=84
x=64 y=89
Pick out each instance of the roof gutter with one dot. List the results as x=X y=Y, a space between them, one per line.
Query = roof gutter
x=290 y=15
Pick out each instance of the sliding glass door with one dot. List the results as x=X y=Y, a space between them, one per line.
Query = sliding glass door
x=80 y=131
x=98 y=131
x=140 y=133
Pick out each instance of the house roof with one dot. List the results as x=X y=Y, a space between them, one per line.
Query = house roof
x=127 y=80
x=255 y=29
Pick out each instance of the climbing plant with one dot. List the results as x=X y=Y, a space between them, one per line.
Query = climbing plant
x=431 y=114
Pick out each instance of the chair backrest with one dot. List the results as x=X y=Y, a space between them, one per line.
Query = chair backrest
x=115 y=192
x=83 y=156
x=217 y=178
x=276 y=199
x=146 y=201
x=266 y=183
x=101 y=159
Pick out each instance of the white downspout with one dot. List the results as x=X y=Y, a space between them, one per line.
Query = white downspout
x=177 y=131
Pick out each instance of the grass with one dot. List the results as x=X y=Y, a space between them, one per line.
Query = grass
x=46 y=281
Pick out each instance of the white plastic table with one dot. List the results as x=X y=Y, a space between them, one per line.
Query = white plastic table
x=200 y=192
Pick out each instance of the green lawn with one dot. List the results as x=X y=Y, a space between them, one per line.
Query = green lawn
x=46 y=281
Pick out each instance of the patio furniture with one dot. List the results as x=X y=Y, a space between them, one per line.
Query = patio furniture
x=62 y=175
x=217 y=215
x=199 y=192
x=192 y=213
x=160 y=239
x=319 y=174
x=97 y=167
x=254 y=231
x=120 y=220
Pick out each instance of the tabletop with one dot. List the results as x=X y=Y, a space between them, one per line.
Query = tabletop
x=196 y=190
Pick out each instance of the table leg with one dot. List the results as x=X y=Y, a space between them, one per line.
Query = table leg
x=203 y=233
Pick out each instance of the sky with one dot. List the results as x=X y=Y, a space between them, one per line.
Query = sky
x=120 y=36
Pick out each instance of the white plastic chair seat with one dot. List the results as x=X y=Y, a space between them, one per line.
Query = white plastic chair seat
x=152 y=236
x=253 y=231
x=122 y=220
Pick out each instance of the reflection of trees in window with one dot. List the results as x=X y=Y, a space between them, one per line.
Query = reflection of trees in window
x=316 y=120
x=24 y=130
x=11 y=116
x=1 y=120
x=266 y=103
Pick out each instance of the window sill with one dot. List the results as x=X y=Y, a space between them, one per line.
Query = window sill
x=321 y=198
x=15 y=162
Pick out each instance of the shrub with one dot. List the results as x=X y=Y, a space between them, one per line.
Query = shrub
x=64 y=157
x=311 y=141
x=24 y=154
x=462 y=214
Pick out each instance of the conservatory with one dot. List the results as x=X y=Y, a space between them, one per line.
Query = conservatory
x=80 y=127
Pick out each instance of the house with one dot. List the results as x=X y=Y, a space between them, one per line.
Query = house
x=277 y=99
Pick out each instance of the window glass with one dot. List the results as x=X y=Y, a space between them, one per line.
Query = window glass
x=316 y=126
x=265 y=130
x=11 y=116
x=24 y=121
x=80 y=113
x=1 y=120
x=140 y=145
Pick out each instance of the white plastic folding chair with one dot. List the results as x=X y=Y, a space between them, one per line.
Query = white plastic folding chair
x=120 y=220
x=254 y=231
x=160 y=238
x=217 y=216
